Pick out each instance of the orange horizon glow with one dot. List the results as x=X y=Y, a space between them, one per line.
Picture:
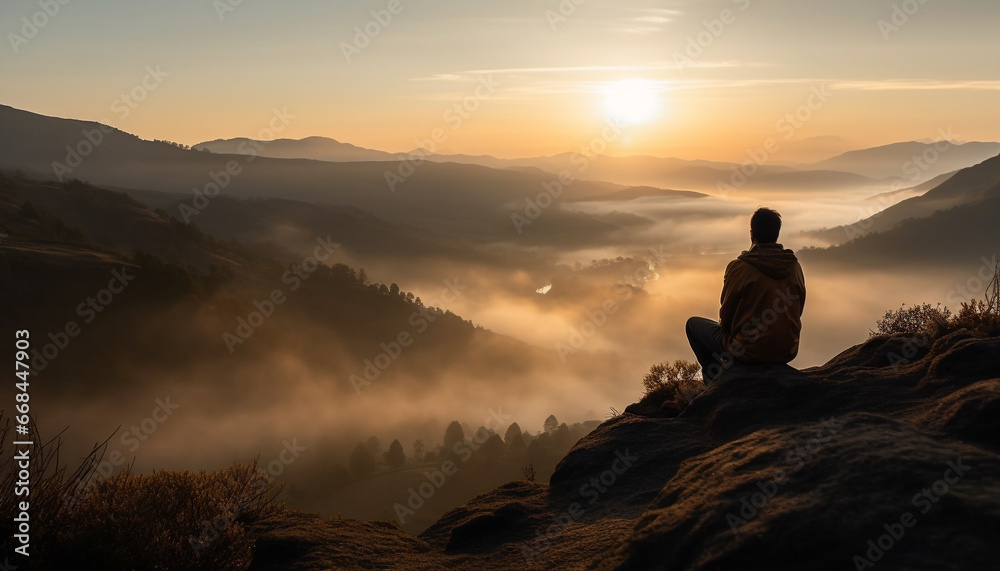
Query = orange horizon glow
x=723 y=73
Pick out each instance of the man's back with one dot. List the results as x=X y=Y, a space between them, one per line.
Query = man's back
x=762 y=300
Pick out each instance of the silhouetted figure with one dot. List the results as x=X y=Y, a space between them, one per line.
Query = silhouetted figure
x=763 y=294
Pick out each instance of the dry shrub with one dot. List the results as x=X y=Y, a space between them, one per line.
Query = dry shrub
x=979 y=318
x=675 y=384
x=51 y=485
x=175 y=520
x=165 y=520
x=919 y=319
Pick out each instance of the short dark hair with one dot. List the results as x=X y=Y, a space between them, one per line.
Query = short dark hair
x=765 y=224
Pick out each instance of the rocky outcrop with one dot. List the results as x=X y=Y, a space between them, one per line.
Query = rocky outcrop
x=886 y=457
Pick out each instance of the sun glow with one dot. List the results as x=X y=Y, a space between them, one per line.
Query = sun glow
x=632 y=101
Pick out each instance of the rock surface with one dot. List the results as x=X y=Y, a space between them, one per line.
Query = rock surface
x=886 y=457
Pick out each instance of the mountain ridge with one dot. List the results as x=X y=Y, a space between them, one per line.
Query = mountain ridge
x=967 y=187
x=912 y=161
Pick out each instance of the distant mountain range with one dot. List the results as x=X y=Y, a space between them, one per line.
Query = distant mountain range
x=639 y=171
x=953 y=223
x=637 y=192
x=318 y=169
x=442 y=201
x=317 y=148
x=464 y=201
x=894 y=196
x=909 y=162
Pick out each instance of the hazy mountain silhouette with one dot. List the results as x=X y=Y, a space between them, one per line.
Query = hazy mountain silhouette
x=961 y=236
x=969 y=186
x=637 y=170
x=812 y=149
x=467 y=201
x=637 y=192
x=651 y=170
x=114 y=222
x=433 y=191
x=697 y=175
x=894 y=196
x=294 y=225
x=872 y=164
x=319 y=148
x=908 y=161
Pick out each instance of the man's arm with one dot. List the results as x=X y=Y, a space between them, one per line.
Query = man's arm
x=730 y=299
x=802 y=285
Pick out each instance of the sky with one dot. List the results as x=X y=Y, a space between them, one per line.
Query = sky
x=709 y=79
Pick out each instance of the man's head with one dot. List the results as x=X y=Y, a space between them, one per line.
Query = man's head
x=765 y=224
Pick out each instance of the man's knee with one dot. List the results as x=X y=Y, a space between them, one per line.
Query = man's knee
x=691 y=325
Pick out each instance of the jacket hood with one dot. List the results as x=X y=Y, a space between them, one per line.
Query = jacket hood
x=772 y=260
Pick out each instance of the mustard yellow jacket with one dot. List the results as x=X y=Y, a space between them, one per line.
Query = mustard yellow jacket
x=763 y=294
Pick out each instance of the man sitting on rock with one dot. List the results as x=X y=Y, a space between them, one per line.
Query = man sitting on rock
x=763 y=294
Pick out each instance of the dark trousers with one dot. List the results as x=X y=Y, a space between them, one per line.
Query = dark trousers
x=705 y=337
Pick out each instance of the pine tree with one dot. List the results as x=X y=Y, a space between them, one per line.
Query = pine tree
x=362 y=462
x=395 y=456
x=550 y=423
x=453 y=435
x=512 y=431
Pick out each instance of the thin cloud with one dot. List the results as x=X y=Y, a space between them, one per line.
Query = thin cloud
x=918 y=85
x=638 y=30
x=561 y=80
x=651 y=20
x=655 y=66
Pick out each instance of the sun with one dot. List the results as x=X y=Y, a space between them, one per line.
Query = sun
x=632 y=101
